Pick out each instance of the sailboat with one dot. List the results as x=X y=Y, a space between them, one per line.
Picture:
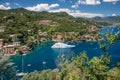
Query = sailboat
x=22 y=73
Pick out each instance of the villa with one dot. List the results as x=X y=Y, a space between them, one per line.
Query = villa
x=13 y=37
x=8 y=50
x=2 y=28
x=45 y=22
x=16 y=44
x=57 y=37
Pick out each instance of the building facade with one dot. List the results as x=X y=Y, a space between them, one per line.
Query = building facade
x=8 y=50
x=1 y=43
x=2 y=28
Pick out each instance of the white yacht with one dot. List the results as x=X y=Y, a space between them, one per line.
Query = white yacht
x=62 y=45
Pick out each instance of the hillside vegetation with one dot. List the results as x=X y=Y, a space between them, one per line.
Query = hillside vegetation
x=25 y=23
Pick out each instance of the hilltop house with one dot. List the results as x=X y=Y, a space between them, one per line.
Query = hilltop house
x=45 y=22
x=24 y=49
x=13 y=37
x=2 y=28
x=10 y=21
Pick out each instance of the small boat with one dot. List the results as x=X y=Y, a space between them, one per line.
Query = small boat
x=62 y=45
x=21 y=74
x=29 y=65
x=43 y=62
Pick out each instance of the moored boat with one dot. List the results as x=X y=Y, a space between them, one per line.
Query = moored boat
x=62 y=45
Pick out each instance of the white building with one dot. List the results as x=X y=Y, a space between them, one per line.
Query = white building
x=16 y=44
x=8 y=49
x=2 y=28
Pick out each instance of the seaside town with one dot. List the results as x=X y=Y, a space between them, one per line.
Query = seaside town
x=15 y=46
x=56 y=41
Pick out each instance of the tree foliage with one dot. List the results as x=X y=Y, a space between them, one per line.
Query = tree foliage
x=20 y=21
x=7 y=71
x=82 y=68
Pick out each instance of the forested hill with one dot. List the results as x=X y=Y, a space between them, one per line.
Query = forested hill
x=20 y=21
x=23 y=16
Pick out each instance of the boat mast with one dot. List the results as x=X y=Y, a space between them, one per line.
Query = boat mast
x=22 y=65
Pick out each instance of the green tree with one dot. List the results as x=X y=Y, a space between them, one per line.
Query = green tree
x=7 y=71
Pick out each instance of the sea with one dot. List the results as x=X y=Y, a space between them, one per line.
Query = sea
x=44 y=57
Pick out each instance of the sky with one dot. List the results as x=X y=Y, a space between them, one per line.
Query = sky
x=76 y=8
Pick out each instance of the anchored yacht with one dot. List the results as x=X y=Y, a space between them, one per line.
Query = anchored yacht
x=62 y=45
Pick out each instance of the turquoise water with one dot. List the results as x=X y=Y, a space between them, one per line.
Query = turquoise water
x=45 y=57
x=44 y=53
x=109 y=29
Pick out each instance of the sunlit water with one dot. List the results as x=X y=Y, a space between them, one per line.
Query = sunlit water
x=45 y=57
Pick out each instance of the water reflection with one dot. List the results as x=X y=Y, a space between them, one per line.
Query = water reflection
x=62 y=54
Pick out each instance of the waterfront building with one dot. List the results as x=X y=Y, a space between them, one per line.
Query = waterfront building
x=43 y=39
x=81 y=38
x=57 y=37
x=24 y=49
x=8 y=50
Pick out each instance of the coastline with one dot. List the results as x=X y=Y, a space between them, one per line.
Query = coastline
x=44 y=53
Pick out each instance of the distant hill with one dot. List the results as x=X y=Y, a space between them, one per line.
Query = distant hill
x=111 y=19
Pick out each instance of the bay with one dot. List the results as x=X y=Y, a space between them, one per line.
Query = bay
x=45 y=57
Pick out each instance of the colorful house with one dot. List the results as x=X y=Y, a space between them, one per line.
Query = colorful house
x=8 y=50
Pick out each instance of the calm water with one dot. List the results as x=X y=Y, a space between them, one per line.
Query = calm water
x=44 y=57
x=44 y=53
